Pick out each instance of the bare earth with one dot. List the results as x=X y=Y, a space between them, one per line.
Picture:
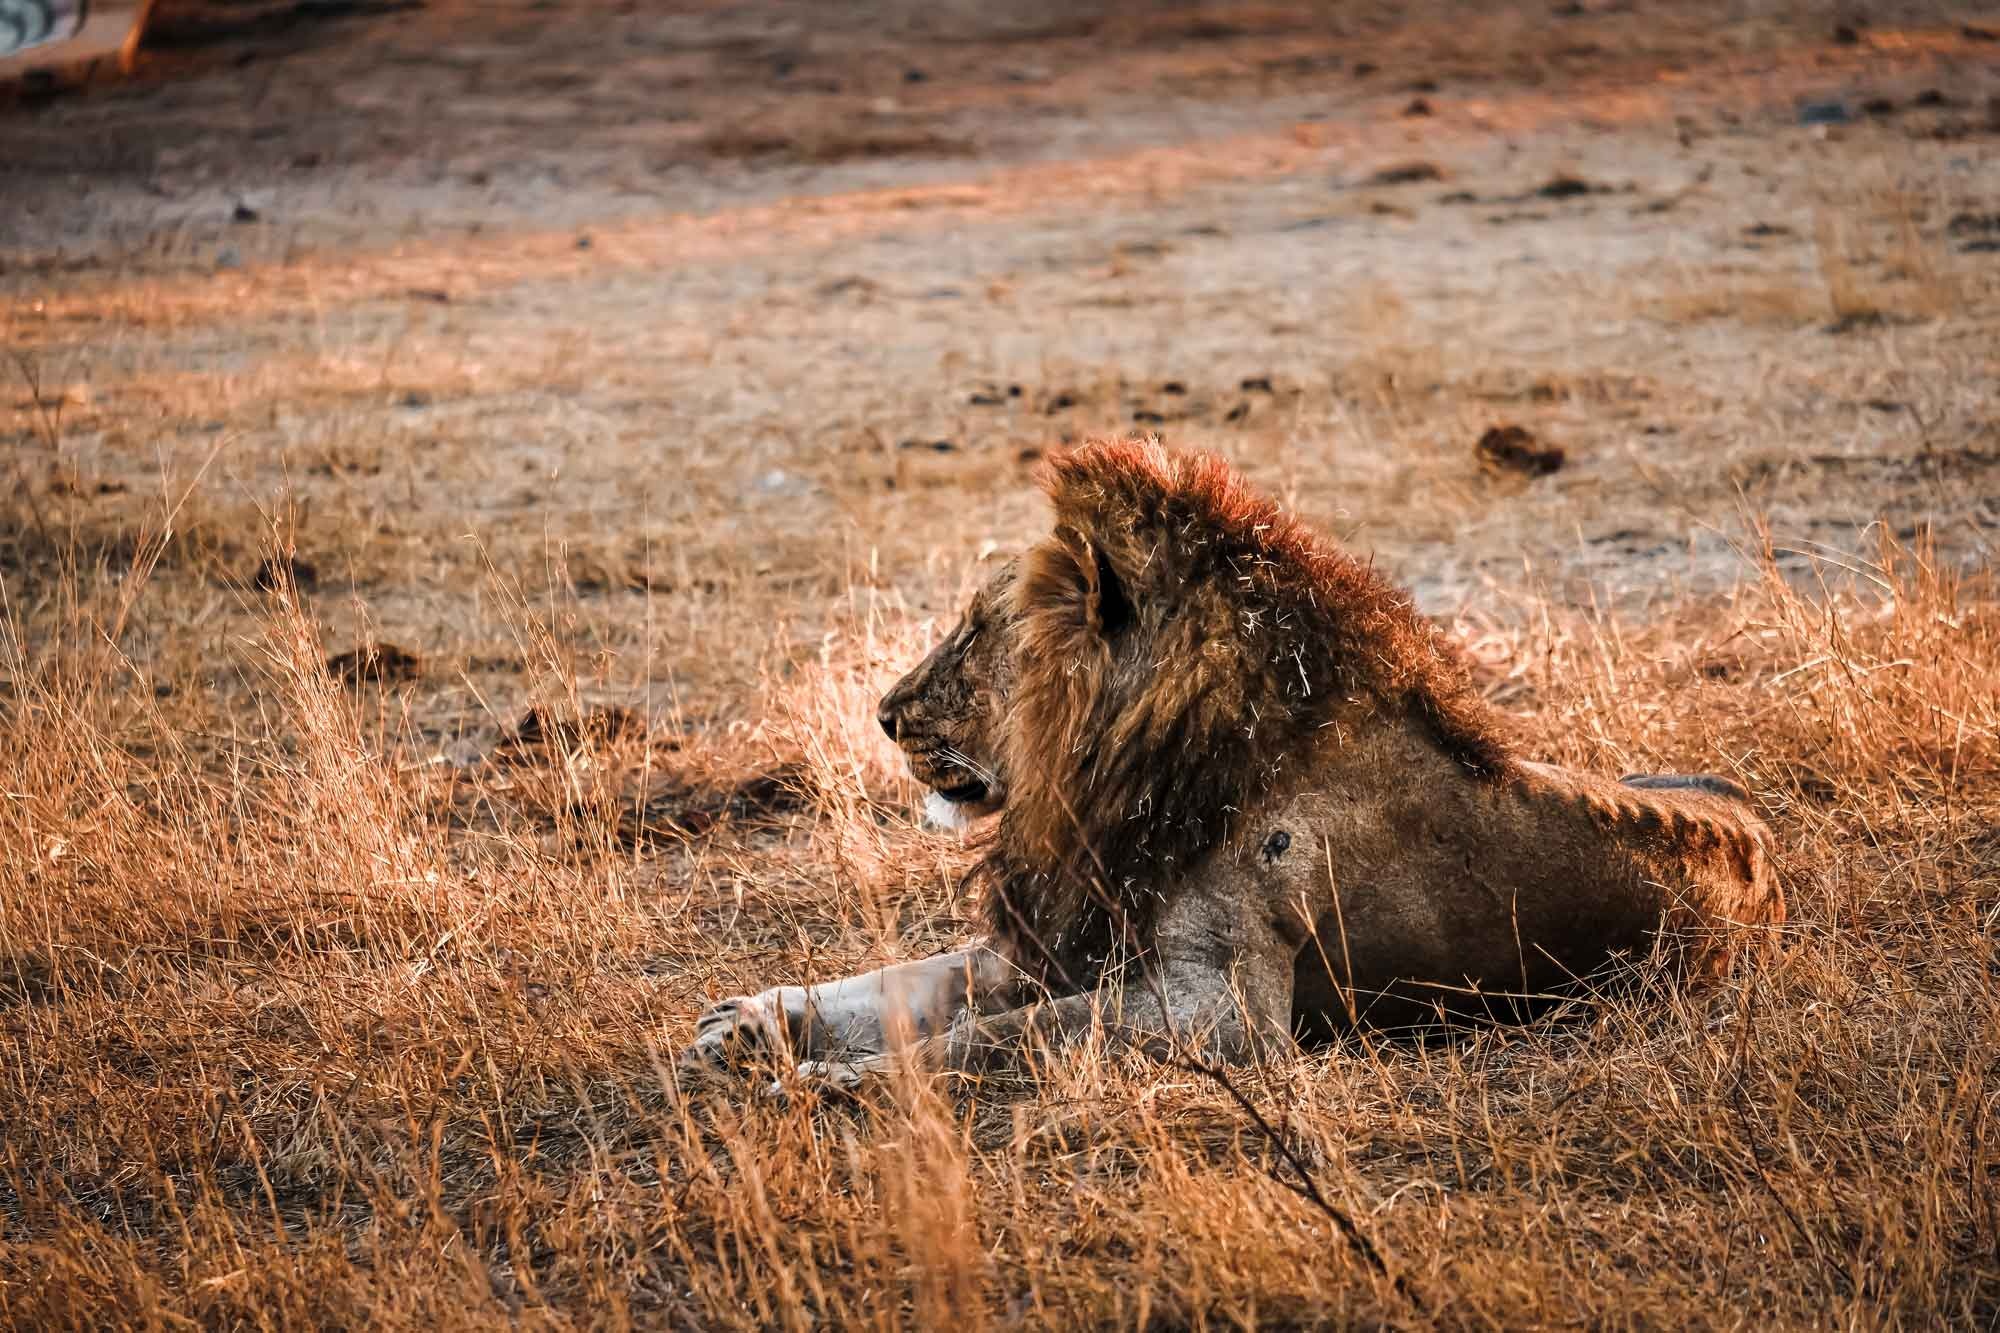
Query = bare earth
x=675 y=367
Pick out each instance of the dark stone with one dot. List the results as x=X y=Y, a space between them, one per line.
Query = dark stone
x=1824 y=113
x=272 y=573
x=1514 y=449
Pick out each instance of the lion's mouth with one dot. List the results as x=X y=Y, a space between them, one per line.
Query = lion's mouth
x=970 y=792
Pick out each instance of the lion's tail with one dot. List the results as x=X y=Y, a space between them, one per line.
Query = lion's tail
x=1742 y=831
x=1711 y=783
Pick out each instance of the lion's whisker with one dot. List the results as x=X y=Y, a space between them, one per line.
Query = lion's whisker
x=978 y=770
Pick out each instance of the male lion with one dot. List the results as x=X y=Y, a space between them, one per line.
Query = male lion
x=1246 y=791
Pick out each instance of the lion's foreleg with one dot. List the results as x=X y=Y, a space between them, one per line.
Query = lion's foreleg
x=1218 y=987
x=876 y=1013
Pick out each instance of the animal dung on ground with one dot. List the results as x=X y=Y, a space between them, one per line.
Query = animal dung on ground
x=678 y=810
x=540 y=732
x=1405 y=173
x=1565 y=186
x=274 y=572
x=1514 y=449
x=375 y=664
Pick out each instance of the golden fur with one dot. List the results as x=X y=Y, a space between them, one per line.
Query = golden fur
x=1186 y=655
x=946 y=710
x=1229 y=751
x=1182 y=643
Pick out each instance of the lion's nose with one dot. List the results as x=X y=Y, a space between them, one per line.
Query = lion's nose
x=886 y=715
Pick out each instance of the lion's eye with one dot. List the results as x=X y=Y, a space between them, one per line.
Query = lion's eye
x=1276 y=845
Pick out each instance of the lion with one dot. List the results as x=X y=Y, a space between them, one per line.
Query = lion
x=1246 y=794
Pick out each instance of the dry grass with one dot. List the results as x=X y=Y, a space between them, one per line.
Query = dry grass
x=294 y=1039
x=347 y=1002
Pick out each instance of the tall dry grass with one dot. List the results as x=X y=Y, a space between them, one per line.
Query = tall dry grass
x=298 y=1030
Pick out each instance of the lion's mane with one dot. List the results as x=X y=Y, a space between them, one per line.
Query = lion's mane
x=1184 y=649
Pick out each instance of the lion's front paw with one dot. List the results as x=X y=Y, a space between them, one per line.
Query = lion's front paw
x=821 y=1078
x=738 y=1032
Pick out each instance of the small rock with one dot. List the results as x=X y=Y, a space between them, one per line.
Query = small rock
x=375 y=663
x=1418 y=107
x=415 y=398
x=1878 y=106
x=986 y=398
x=1237 y=413
x=1147 y=417
x=1930 y=97
x=1363 y=68
x=584 y=242
x=1846 y=34
x=849 y=286
x=1257 y=384
x=915 y=75
x=1062 y=402
x=244 y=213
x=935 y=446
x=1514 y=449
x=228 y=257
x=1824 y=113
x=273 y=573
x=1565 y=187
x=1973 y=33
x=1406 y=173
x=1767 y=229
x=1173 y=388
x=1459 y=197
x=540 y=732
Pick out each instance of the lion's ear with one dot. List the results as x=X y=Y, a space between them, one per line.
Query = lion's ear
x=1111 y=609
x=1069 y=587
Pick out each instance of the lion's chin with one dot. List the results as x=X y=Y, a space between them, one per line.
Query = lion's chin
x=941 y=812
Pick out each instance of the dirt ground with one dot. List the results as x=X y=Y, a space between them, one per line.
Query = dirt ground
x=676 y=367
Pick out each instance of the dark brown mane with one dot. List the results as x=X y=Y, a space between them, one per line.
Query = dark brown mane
x=1182 y=641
